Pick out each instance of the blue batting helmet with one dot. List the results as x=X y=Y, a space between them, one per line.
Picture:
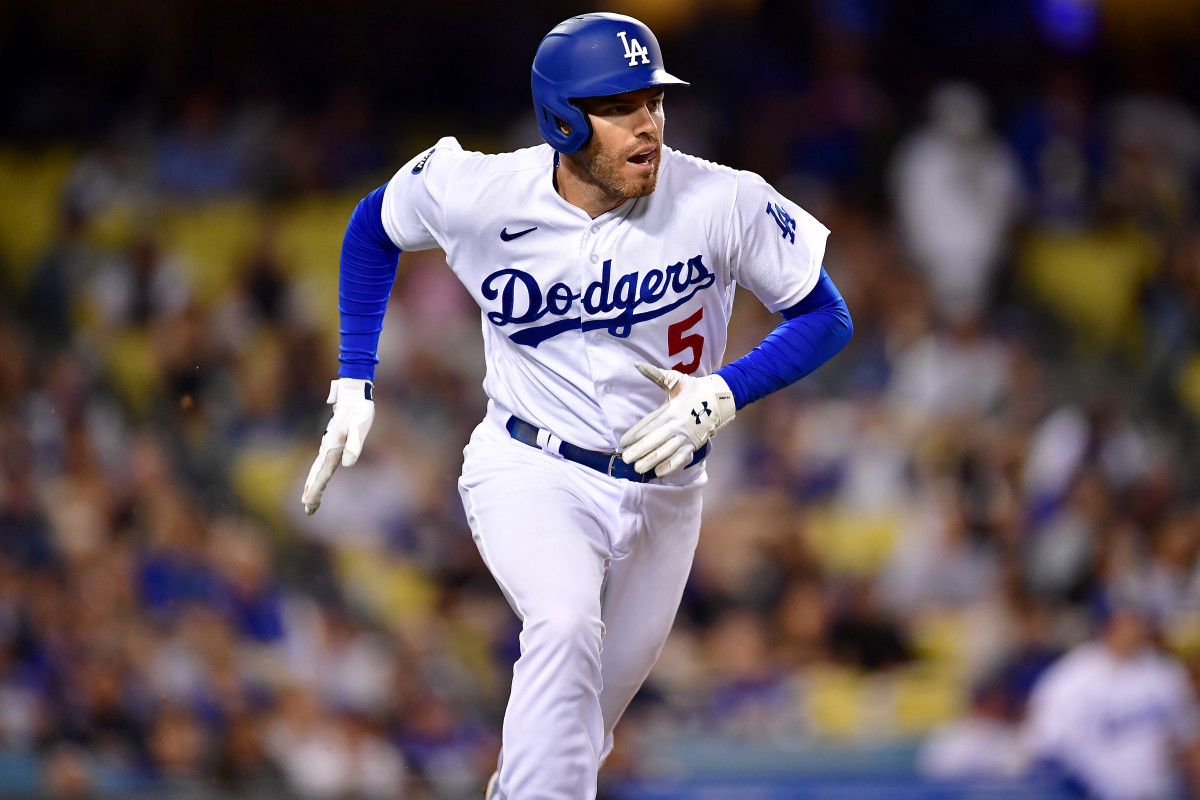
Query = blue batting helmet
x=592 y=55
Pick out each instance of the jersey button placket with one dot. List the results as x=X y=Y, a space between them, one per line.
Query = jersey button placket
x=598 y=354
x=587 y=258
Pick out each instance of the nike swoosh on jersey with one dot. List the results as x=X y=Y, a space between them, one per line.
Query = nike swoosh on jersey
x=508 y=237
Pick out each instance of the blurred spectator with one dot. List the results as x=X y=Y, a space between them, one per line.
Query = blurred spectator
x=68 y=775
x=246 y=592
x=863 y=634
x=943 y=561
x=749 y=696
x=181 y=750
x=955 y=372
x=1064 y=550
x=1061 y=151
x=801 y=619
x=985 y=744
x=202 y=157
x=326 y=756
x=957 y=192
x=1116 y=716
x=1031 y=652
x=58 y=278
x=1155 y=144
x=354 y=669
x=138 y=287
x=243 y=767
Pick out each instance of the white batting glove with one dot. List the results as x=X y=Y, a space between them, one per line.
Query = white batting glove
x=353 y=413
x=665 y=439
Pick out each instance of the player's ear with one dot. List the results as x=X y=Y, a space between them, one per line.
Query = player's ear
x=563 y=126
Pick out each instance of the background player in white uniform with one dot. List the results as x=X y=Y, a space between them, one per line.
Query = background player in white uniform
x=604 y=265
x=1117 y=717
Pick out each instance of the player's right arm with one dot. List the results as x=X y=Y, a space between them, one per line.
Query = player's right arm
x=774 y=249
x=406 y=213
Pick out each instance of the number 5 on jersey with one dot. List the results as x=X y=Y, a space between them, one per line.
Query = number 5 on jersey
x=677 y=342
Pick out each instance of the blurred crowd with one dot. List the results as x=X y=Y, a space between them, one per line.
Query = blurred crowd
x=896 y=548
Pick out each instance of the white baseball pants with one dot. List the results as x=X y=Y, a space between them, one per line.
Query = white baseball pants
x=595 y=568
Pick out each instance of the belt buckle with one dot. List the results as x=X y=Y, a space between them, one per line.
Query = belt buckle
x=612 y=460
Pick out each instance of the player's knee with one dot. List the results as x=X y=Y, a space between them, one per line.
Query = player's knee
x=566 y=626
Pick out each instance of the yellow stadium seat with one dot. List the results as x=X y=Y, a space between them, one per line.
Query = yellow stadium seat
x=834 y=702
x=118 y=226
x=1182 y=635
x=926 y=697
x=212 y=240
x=940 y=637
x=310 y=243
x=311 y=231
x=262 y=477
x=30 y=204
x=133 y=368
x=1188 y=384
x=1092 y=281
x=393 y=589
x=847 y=542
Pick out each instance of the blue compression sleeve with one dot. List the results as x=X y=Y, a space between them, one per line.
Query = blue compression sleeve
x=812 y=332
x=368 y=270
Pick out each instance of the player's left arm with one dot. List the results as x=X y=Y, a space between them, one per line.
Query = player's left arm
x=775 y=249
x=812 y=332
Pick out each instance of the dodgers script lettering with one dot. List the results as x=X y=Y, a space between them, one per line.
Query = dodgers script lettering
x=522 y=300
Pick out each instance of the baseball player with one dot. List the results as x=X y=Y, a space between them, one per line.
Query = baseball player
x=604 y=266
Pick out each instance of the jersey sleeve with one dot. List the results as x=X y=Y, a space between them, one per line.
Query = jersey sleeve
x=775 y=247
x=414 y=204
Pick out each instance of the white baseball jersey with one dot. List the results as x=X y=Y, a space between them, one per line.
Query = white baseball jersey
x=569 y=303
x=1117 y=724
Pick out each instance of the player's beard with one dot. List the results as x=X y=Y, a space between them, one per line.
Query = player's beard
x=604 y=169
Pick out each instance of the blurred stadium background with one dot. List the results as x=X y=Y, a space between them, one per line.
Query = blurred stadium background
x=893 y=551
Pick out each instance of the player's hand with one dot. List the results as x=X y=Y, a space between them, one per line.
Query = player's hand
x=665 y=439
x=353 y=413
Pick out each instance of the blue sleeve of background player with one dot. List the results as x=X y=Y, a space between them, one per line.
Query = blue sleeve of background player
x=365 y=278
x=812 y=332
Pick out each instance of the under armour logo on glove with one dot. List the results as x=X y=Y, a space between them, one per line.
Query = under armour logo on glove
x=663 y=440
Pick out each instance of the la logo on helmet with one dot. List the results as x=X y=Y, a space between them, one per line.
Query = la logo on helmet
x=633 y=49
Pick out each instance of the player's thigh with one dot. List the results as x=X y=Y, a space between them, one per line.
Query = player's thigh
x=539 y=529
x=646 y=584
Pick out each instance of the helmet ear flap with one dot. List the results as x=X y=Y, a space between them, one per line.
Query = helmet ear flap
x=553 y=117
x=573 y=131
